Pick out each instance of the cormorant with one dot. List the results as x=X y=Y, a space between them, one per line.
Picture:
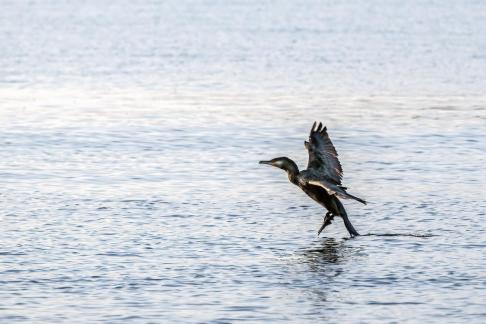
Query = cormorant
x=322 y=179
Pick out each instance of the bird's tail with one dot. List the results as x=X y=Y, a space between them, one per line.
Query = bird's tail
x=342 y=212
x=350 y=196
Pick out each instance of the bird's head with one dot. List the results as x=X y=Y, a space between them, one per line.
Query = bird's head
x=283 y=163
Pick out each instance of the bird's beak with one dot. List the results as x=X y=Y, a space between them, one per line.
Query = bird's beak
x=265 y=162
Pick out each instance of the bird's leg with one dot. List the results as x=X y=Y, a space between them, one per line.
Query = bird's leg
x=327 y=220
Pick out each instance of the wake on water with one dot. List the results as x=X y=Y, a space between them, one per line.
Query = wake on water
x=399 y=234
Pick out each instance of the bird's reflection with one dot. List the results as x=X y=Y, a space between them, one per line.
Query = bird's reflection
x=323 y=263
x=328 y=257
x=330 y=251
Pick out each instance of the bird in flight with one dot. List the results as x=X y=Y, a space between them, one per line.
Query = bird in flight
x=322 y=179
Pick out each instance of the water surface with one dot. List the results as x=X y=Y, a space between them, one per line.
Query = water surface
x=131 y=135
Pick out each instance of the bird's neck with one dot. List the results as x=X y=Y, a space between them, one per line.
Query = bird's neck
x=292 y=171
x=293 y=177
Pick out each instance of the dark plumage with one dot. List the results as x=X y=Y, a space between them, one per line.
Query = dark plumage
x=322 y=179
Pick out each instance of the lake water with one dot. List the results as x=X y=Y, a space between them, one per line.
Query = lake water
x=131 y=133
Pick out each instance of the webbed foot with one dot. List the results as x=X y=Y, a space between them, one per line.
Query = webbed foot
x=327 y=221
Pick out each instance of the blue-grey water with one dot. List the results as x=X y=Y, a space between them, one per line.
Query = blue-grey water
x=130 y=133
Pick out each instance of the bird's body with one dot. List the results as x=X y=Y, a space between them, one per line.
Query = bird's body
x=321 y=181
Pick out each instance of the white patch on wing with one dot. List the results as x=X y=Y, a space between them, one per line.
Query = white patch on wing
x=320 y=184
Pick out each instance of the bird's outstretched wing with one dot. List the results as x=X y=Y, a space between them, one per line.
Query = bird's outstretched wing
x=323 y=158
